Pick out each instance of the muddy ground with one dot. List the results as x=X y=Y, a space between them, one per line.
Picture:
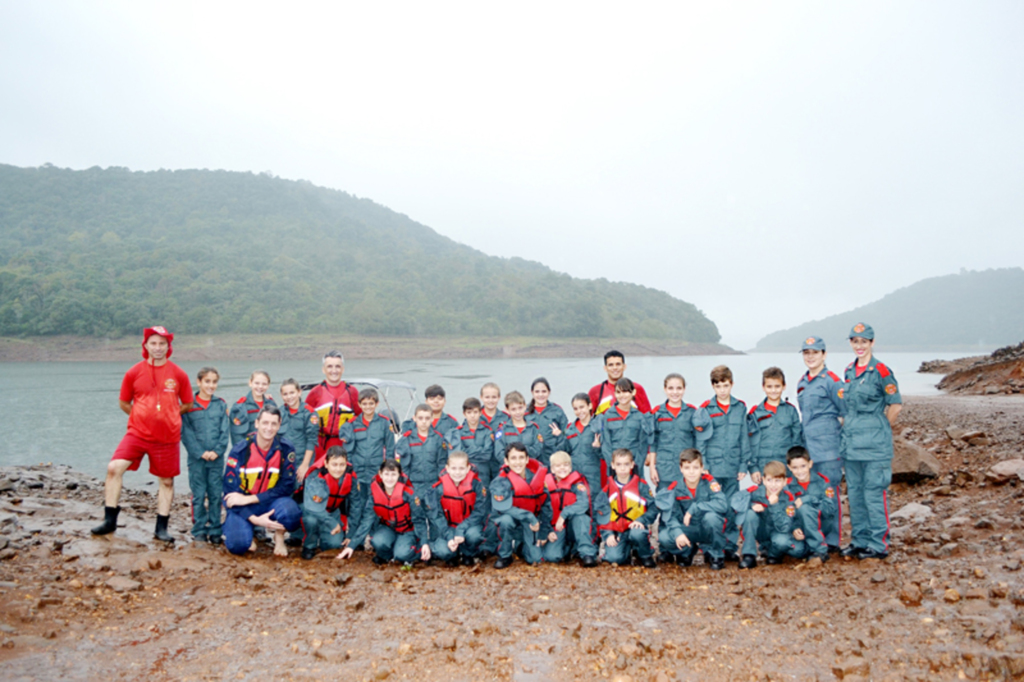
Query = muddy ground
x=948 y=603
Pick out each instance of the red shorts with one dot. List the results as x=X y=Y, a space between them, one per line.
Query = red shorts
x=164 y=458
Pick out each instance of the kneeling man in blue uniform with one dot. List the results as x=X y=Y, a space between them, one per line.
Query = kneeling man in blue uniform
x=258 y=484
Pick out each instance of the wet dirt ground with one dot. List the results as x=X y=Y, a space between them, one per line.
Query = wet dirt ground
x=948 y=603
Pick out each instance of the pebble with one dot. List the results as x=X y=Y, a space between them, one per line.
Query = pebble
x=951 y=596
x=878 y=578
x=6 y=554
x=911 y=595
x=122 y=584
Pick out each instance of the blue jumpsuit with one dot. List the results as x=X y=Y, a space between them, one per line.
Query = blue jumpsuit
x=772 y=432
x=726 y=449
x=272 y=488
x=867 y=452
x=671 y=434
x=707 y=507
x=206 y=430
x=772 y=528
x=821 y=407
x=586 y=458
x=551 y=414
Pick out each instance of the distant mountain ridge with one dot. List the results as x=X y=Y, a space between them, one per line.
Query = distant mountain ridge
x=109 y=251
x=972 y=309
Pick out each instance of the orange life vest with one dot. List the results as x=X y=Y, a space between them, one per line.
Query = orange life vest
x=260 y=472
x=627 y=504
x=528 y=495
x=338 y=491
x=457 y=501
x=563 y=493
x=392 y=509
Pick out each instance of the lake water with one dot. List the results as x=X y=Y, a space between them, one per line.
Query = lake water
x=67 y=412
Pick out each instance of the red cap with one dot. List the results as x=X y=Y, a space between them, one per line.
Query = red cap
x=159 y=331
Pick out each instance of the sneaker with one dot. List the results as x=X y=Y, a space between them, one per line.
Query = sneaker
x=748 y=561
x=214 y=539
x=684 y=559
x=851 y=551
x=308 y=553
x=773 y=560
x=728 y=555
x=871 y=554
x=503 y=562
x=716 y=564
x=649 y=562
x=588 y=561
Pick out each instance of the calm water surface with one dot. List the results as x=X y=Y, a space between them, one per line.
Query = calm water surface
x=67 y=412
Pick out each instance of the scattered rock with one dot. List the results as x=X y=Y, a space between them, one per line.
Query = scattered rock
x=342 y=579
x=951 y=596
x=850 y=667
x=122 y=584
x=911 y=463
x=976 y=593
x=1006 y=470
x=913 y=511
x=911 y=595
x=6 y=484
x=6 y=554
x=878 y=578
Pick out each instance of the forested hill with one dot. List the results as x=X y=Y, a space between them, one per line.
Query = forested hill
x=109 y=251
x=971 y=309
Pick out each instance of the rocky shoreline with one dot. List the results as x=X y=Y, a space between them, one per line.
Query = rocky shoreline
x=1000 y=372
x=948 y=603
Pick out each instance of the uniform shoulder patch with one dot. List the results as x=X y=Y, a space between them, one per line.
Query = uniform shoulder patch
x=883 y=371
x=705 y=403
x=240 y=400
x=232 y=462
x=416 y=500
x=890 y=389
x=291 y=457
x=314 y=419
x=833 y=376
x=840 y=394
x=238 y=422
x=830 y=492
x=582 y=488
x=715 y=486
x=790 y=510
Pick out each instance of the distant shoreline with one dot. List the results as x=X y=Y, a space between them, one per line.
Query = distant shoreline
x=198 y=347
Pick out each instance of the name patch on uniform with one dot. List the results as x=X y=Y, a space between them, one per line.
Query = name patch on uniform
x=890 y=389
x=790 y=510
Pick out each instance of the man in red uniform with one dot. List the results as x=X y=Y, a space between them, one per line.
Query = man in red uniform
x=335 y=402
x=154 y=395
x=602 y=396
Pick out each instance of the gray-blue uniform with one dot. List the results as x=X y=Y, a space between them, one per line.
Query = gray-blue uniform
x=301 y=428
x=243 y=416
x=586 y=458
x=821 y=407
x=324 y=503
x=368 y=444
x=726 y=449
x=396 y=523
x=629 y=502
x=530 y=437
x=568 y=499
x=867 y=448
x=205 y=429
x=442 y=424
x=632 y=432
x=422 y=459
x=670 y=435
x=512 y=518
x=551 y=414
x=772 y=431
x=478 y=444
x=457 y=510
x=707 y=506
x=772 y=528
x=816 y=512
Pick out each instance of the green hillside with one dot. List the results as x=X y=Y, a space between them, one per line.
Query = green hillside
x=106 y=252
x=969 y=310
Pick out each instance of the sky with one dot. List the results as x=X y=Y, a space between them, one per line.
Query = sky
x=771 y=163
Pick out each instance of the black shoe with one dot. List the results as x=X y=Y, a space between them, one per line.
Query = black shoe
x=649 y=562
x=468 y=561
x=851 y=550
x=716 y=564
x=729 y=556
x=293 y=541
x=379 y=560
x=109 y=524
x=161 y=533
x=748 y=561
x=834 y=549
x=503 y=562
x=588 y=561
x=871 y=554
x=308 y=553
x=773 y=560
x=684 y=559
x=214 y=539
x=824 y=557
x=452 y=562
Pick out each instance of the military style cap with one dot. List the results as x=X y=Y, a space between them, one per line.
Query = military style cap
x=863 y=331
x=813 y=343
x=501 y=494
x=664 y=499
x=602 y=508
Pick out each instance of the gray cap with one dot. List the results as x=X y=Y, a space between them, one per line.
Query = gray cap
x=813 y=343
x=602 y=508
x=664 y=499
x=863 y=331
x=501 y=494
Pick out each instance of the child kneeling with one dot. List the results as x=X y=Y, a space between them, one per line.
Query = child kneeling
x=394 y=518
x=566 y=514
x=457 y=507
x=517 y=493
x=327 y=510
x=693 y=513
x=768 y=521
x=632 y=513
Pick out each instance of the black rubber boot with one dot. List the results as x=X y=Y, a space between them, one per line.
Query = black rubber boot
x=109 y=524
x=161 y=529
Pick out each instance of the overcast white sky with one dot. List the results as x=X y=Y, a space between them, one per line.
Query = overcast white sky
x=769 y=162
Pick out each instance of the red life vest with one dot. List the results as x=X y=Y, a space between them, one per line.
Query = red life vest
x=333 y=414
x=627 y=504
x=393 y=510
x=457 y=501
x=528 y=495
x=260 y=473
x=563 y=493
x=338 y=491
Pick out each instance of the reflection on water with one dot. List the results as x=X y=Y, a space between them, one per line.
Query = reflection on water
x=67 y=412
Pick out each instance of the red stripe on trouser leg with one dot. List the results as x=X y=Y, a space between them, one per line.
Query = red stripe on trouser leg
x=885 y=506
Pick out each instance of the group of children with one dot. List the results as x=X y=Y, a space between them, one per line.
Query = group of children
x=527 y=482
